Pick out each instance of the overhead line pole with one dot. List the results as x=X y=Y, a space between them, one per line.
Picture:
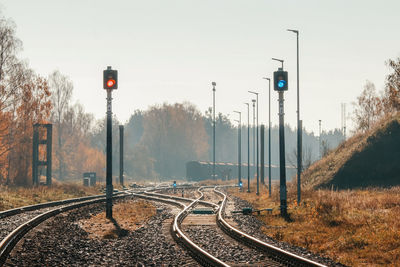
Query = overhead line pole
x=299 y=126
x=214 y=84
x=257 y=169
x=269 y=135
x=248 y=147
x=239 y=147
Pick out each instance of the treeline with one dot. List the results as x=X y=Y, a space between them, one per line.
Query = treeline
x=162 y=139
x=27 y=98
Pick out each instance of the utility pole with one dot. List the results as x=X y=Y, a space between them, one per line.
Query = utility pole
x=344 y=120
x=248 y=147
x=239 y=147
x=262 y=145
x=254 y=134
x=299 y=126
x=214 y=84
x=257 y=168
x=319 y=139
x=269 y=135
x=110 y=82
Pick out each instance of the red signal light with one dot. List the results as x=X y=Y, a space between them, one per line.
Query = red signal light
x=110 y=83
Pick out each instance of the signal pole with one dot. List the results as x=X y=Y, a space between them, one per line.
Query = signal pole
x=121 y=154
x=109 y=186
x=282 y=162
x=110 y=82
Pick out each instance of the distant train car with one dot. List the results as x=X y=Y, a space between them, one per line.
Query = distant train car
x=203 y=170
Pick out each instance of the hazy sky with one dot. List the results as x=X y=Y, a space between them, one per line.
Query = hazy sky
x=171 y=51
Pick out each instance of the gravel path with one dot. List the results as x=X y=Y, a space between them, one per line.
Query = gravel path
x=52 y=244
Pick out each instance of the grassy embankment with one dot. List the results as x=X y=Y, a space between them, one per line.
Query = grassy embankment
x=13 y=197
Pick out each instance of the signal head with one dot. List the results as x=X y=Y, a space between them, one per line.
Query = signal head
x=110 y=79
x=280 y=80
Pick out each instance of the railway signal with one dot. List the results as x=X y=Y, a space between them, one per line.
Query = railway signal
x=280 y=80
x=281 y=85
x=174 y=185
x=110 y=79
x=110 y=82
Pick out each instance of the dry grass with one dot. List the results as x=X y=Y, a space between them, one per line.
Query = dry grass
x=12 y=197
x=357 y=228
x=128 y=216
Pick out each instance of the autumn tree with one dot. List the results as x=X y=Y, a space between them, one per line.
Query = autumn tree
x=9 y=46
x=24 y=100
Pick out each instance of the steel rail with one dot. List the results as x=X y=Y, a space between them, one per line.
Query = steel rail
x=199 y=254
x=205 y=203
x=278 y=253
x=15 y=211
x=8 y=243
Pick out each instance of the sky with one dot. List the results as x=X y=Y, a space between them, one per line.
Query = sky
x=171 y=50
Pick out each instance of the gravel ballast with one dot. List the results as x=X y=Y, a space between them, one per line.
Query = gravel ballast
x=60 y=241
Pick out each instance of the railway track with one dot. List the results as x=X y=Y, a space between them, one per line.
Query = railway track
x=274 y=256
x=13 y=230
x=190 y=239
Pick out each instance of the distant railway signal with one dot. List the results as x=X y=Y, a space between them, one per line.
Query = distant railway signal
x=110 y=79
x=174 y=184
x=280 y=80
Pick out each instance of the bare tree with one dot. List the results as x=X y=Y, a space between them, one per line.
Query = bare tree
x=306 y=157
x=391 y=96
x=368 y=108
x=61 y=91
